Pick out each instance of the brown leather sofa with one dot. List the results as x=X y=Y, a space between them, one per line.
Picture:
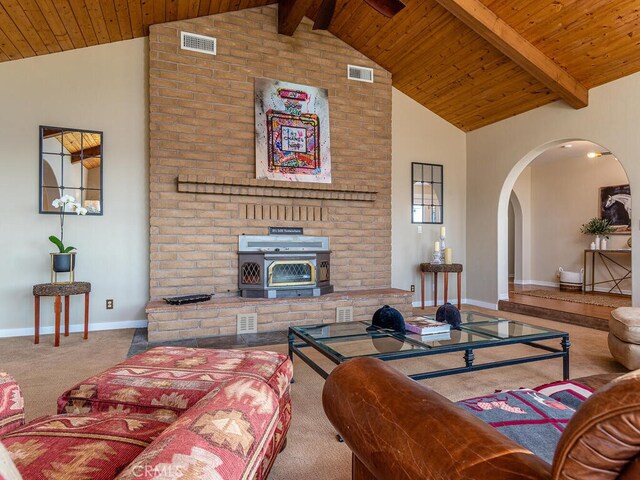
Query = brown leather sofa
x=399 y=429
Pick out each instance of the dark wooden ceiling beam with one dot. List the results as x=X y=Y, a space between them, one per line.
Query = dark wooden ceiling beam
x=513 y=45
x=290 y=14
x=87 y=153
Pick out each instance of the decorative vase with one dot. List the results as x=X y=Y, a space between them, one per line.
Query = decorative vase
x=603 y=244
x=62 y=263
x=598 y=240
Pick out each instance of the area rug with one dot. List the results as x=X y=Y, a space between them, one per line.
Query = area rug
x=575 y=297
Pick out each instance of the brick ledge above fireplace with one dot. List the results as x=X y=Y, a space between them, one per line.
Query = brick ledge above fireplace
x=270 y=188
x=218 y=316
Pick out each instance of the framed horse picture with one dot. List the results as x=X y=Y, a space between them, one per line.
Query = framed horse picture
x=615 y=206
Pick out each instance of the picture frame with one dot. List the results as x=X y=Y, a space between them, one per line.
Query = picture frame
x=292 y=132
x=614 y=203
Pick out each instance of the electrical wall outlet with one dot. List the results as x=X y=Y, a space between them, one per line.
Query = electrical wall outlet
x=109 y=303
x=419 y=228
x=413 y=288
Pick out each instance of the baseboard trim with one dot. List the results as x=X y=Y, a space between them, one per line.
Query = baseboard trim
x=543 y=283
x=464 y=301
x=479 y=303
x=73 y=328
x=429 y=303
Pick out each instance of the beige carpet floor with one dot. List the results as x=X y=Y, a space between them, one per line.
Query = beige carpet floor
x=603 y=299
x=312 y=451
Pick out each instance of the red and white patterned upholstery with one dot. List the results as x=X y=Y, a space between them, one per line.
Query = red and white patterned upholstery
x=11 y=404
x=225 y=435
x=230 y=409
x=174 y=379
x=80 y=446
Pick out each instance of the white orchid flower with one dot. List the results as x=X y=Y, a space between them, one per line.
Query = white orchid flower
x=81 y=210
x=67 y=199
x=57 y=203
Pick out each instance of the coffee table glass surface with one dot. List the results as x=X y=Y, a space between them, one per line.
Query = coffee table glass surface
x=342 y=341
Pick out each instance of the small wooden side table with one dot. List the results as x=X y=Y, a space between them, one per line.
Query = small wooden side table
x=61 y=290
x=436 y=268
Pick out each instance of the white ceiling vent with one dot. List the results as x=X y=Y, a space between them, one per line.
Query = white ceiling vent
x=247 y=323
x=344 y=314
x=361 y=74
x=197 y=43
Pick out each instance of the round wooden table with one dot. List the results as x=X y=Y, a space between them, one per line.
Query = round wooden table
x=436 y=268
x=61 y=290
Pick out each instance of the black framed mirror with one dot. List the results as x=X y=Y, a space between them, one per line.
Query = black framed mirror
x=427 y=186
x=71 y=164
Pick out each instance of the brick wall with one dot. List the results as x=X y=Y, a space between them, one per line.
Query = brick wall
x=202 y=123
x=168 y=322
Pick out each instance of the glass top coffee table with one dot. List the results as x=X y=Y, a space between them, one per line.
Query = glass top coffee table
x=340 y=342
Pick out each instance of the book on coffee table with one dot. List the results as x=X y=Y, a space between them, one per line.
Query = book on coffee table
x=425 y=326
x=436 y=337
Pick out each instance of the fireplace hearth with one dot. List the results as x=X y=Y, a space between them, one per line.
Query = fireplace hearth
x=283 y=266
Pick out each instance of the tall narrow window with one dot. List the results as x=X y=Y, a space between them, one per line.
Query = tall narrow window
x=426 y=193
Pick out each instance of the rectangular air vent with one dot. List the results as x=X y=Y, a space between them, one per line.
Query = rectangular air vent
x=247 y=323
x=344 y=314
x=361 y=74
x=197 y=43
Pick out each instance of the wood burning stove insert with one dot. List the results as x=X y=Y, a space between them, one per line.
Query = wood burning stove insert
x=283 y=266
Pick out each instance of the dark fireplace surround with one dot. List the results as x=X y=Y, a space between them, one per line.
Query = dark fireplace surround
x=284 y=266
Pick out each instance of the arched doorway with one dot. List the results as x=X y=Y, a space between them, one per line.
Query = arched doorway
x=517 y=262
x=590 y=187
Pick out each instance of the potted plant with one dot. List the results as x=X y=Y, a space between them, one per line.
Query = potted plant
x=598 y=227
x=65 y=259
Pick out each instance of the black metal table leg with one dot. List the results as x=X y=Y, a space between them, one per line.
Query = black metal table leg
x=566 y=343
x=469 y=357
x=290 y=341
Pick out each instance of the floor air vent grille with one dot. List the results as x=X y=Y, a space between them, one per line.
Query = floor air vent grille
x=247 y=323
x=344 y=314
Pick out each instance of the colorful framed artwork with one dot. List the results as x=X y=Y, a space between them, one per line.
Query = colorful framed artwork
x=615 y=206
x=292 y=132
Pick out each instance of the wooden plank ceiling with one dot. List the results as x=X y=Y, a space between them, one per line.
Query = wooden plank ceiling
x=439 y=59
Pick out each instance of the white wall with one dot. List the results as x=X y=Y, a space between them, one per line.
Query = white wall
x=98 y=88
x=512 y=241
x=565 y=194
x=419 y=135
x=521 y=199
x=498 y=153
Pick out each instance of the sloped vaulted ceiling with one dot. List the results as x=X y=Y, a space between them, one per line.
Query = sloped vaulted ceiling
x=451 y=63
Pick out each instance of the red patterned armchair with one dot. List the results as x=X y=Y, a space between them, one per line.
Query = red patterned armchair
x=11 y=404
x=166 y=413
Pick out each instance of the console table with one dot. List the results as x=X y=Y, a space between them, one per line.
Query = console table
x=61 y=290
x=436 y=268
x=605 y=258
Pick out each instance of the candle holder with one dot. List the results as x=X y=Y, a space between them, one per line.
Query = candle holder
x=437 y=258
x=442 y=245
